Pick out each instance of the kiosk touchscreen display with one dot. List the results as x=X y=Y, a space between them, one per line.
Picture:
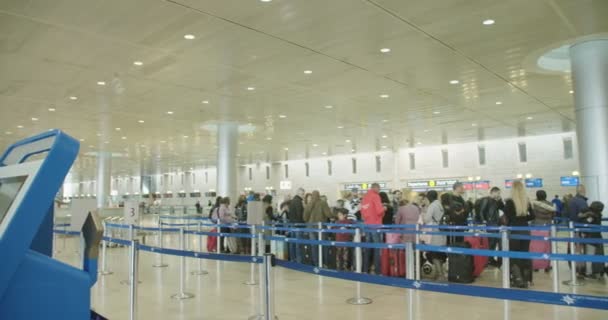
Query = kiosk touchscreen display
x=9 y=188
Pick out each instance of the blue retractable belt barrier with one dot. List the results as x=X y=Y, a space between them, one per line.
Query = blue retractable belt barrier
x=221 y=234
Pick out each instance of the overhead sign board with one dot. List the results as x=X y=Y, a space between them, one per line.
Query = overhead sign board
x=530 y=183
x=569 y=181
x=438 y=184
x=363 y=185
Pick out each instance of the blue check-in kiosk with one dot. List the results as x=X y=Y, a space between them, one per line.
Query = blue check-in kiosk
x=33 y=285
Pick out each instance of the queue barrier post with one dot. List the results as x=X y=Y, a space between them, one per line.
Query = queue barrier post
x=268 y=298
x=251 y=281
x=506 y=266
x=200 y=271
x=358 y=299
x=219 y=246
x=104 y=246
x=417 y=253
x=574 y=281
x=131 y=239
x=182 y=295
x=261 y=274
x=554 y=263
x=133 y=276
x=410 y=274
x=320 y=247
x=159 y=243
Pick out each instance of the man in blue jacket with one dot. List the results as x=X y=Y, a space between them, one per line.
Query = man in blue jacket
x=578 y=204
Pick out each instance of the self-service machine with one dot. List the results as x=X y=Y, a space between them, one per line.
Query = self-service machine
x=33 y=285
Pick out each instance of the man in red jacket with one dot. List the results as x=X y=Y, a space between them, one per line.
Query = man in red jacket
x=372 y=212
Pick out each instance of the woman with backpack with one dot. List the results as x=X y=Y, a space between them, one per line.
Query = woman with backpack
x=432 y=216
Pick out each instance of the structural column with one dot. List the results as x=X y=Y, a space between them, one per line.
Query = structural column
x=227 y=142
x=590 y=74
x=104 y=169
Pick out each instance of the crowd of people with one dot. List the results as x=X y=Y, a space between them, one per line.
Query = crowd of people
x=376 y=209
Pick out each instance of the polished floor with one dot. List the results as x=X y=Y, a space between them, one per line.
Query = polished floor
x=222 y=293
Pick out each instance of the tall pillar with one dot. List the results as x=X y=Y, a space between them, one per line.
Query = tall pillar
x=227 y=142
x=104 y=169
x=590 y=74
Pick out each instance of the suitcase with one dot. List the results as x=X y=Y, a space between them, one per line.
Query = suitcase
x=460 y=266
x=279 y=249
x=540 y=246
x=212 y=242
x=479 y=262
x=392 y=262
x=332 y=258
x=232 y=244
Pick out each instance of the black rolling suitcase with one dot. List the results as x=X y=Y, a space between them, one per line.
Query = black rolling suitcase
x=460 y=266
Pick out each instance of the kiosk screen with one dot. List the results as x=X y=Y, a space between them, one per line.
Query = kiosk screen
x=9 y=188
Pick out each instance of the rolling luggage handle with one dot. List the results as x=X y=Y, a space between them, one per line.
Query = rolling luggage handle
x=358 y=299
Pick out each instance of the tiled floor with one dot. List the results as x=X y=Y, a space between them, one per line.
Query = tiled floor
x=222 y=295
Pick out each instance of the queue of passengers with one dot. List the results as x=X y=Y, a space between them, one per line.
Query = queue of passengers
x=375 y=208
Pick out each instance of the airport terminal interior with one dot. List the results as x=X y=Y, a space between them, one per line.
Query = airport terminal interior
x=284 y=159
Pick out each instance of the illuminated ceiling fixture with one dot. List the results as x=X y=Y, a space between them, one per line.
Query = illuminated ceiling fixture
x=473 y=124
x=250 y=88
x=340 y=127
x=124 y=138
x=385 y=120
x=385 y=50
x=169 y=112
x=141 y=121
x=8 y=132
x=454 y=82
x=34 y=119
x=488 y=22
x=286 y=149
x=163 y=141
x=498 y=102
x=347 y=141
x=324 y=153
x=571 y=91
x=138 y=63
x=528 y=175
x=101 y=83
x=282 y=116
x=107 y=142
x=52 y=109
x=329 y=107
x=81 y=140
x=384 y=147
x=266 y=0
x=529 y=118
x=384 y=96
x=384 y=136
x=436 y=112
x=186 y=137
x=117 y=129
x=73 y=98
x=269 y=138
x=315 y=145
x=206 y=101
x=189 y=37
x=419 y=143
x=307 y=71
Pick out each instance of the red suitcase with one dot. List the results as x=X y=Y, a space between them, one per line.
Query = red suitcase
x=479 y=262
x=392 y=262
x=540 y=246
x=212 y=242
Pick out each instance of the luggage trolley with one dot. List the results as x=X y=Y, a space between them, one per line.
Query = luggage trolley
x=32 y=284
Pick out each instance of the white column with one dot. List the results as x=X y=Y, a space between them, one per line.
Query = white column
x=227 y=142
x=104 y=169
x=590 y=74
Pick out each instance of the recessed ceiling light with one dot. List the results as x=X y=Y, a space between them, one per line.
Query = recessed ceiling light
x=385 y=50
x=488 y=22
x=340 y=127
x=385 y=120
x=315 y=145
x=34 y=119
x=99 y=134
x=282 y=116
x=419 y=143
x=529 y=118
x=384 y=136
x=499 y=102
x=454 y=82
x=117 y=129
x=163 y=141
x=384 y=96
x=473 y=124
x=286 y=149
x=308 y=71
x=329 y=107
x=186 y=137
x=73 y=98
x=107 y=142
x=352 y=150
x=81 y=140
x=250 y=88
x=436 y=112
x=124 y=138
x=189 y=36
x=8 y=132
x=269 y=138
x=426 y=130
x=384 y=147
x=324 y=153
x=91 y=146
x=169 y=112
x=206 y=101
x=138 y=63
x=141 y=121
x=101 y=83
x=347 y=141
x=571 y=91
x=52 y=109
x=266 y=0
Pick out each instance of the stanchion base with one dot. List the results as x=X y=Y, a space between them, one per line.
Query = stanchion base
x=105 y=272
x=199 y=273
x=162 y=265
x=250 y=283
x=260 y=317
x=576 y=283
x=127 y=282
x=182 y=296
x=359 y=301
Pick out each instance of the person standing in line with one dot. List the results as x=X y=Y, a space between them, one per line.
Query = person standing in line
x=351 y=205
x=487 y=210
x=199 y=208
x=409 y=213
x=372 y=212
x=397 y=197
x=578 y=204
x=593 y=216
x=295 y=215
x=457 y=195
x=226 y=217
x=544 y=211
x=388 y=217
x=518 y=213
x=559 y=205
x=432 y=217
x=314 y=212
x=343 y=253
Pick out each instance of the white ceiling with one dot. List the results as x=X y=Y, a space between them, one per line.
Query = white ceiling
x=52 y=50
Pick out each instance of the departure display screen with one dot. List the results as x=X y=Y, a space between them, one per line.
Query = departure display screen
x=9 y=188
